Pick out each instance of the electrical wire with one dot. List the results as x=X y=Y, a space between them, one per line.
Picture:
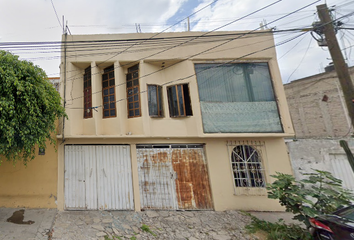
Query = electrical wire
x=56 y=14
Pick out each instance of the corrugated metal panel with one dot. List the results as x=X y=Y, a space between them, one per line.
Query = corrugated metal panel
x=74 y=178
x=156 y=179
x=174 y=177
x=342 y=170
x=193 y=189
x=115 y=188
x=98 y=177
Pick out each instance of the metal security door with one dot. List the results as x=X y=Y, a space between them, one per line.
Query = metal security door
x=114 y=178
x=342 y=170
x=98 y=177
x=173 y=177
x=156 y=178
x=192 y=184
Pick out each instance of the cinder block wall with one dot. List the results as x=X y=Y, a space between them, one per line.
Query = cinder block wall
x=317 y=106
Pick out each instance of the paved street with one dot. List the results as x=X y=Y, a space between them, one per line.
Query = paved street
x=43 y=224
x=190 y=225
x=36 y=224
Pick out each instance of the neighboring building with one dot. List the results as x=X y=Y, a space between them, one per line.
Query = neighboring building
x=171 y=121
x=320 y=120
x=56 y=82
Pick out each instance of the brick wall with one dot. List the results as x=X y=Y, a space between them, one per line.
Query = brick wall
x=317 y=106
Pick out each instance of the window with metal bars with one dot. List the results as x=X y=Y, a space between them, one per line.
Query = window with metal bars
x=87 y=93
x=155 y=101
x=247 y=167
x=108 y=93
x=179 y=101
x=133 y=92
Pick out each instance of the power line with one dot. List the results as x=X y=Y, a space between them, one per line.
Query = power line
x=216 y=66
x=204 y=51
x=56 y=14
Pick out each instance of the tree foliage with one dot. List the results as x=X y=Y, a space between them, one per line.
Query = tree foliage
x=29 y=108
x=320 y=193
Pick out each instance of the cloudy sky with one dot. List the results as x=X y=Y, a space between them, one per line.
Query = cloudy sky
x=37 y=21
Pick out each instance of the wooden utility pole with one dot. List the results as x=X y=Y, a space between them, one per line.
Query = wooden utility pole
x=337 y=57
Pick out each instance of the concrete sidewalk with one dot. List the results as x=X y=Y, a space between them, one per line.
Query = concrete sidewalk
x=35 y=224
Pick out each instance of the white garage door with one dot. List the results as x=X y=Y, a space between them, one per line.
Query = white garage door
x=98 y=177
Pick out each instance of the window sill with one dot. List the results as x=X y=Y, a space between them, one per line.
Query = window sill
x=256 y=191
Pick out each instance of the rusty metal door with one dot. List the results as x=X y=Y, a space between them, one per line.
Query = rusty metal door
x=192 y=183
x=173 y=177
x=156 y=178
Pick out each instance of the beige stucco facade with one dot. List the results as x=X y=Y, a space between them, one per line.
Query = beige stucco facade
x=167 y=65
x=34 y=186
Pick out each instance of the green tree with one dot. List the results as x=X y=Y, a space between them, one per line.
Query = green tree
x=29 y=108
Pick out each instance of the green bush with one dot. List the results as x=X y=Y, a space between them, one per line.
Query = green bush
x=320 y=193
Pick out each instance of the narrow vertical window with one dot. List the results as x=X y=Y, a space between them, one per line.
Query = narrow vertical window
x=155 y=101
x=133 y=92
x=108 y=93
x=87 y=93
x=179 y=101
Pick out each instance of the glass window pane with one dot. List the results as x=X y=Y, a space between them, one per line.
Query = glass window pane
x=174 y=102
x=130 y=105
x=136 y=105
x=180 y=100
x=89 y=83
x=129 y=84
x=113 y=112
x=85 y=84
x=136 y=82
x=104 y=77
x=130 y=92
x=136 y=74
x=152 y=100
x=130 y=99
x=111 y=75
x=106 y=113
x=129 y=76
x=111 y=82
x=111 y=90
x=112 y=105
x=105 y=84
x=136 y=90
x=136 y=97
x=111 y=98
x=105 y=106
x=105 y=99
x=137 y=112
x=131 y=113
x=105 y=92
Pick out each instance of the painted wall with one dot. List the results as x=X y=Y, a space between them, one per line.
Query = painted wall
x=34 y=186
x=275 y=159
x=165 y=68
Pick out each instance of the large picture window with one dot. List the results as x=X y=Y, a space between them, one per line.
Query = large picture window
x=237 y=98
x=155 y=101
x=133 y=92
x=108 y=93
x=87 y=93
x=179 y=101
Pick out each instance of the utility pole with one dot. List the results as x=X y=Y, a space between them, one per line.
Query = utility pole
x=337 y=57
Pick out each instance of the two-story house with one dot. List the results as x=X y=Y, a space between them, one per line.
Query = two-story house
x=179 y=121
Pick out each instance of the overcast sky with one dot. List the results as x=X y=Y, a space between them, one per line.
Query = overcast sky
x=36 y=21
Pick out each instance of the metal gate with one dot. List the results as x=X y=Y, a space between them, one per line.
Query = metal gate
x=173 y=177
x=342 y=170
x=98 y=177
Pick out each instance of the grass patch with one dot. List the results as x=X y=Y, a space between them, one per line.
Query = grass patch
x=278 y=230
x=146 y=228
